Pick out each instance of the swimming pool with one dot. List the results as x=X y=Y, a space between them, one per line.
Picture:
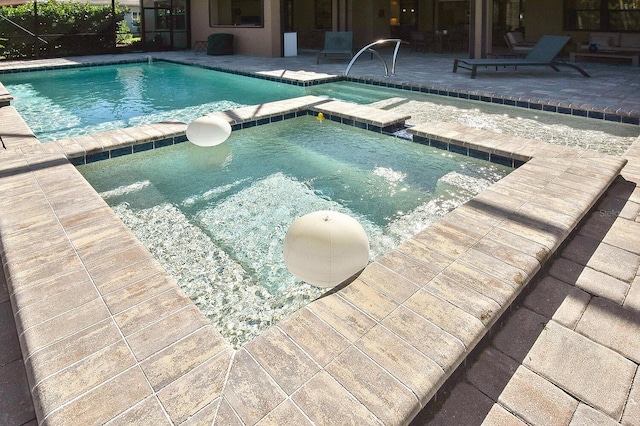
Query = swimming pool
x=62 y=103
x=216 y=217
x=68 y=102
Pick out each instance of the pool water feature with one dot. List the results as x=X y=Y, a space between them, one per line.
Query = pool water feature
x=62 y=103
x=216 y=217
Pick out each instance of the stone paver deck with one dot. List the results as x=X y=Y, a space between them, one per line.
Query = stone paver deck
x=107 y=336
x=574 y=336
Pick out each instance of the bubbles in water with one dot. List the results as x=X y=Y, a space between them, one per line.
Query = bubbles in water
x=219 y=229
x=390 y=175
x=248 y=290
x=125 y=189
x=598 y=135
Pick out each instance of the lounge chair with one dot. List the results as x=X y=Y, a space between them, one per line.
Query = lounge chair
x=337 y=45
x=517 y=46
x=544 y=53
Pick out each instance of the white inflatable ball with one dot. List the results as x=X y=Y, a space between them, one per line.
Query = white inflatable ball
x=210 y=130
x=325 y=248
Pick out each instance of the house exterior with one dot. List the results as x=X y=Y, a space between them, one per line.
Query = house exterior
x=133 y=14
x=258 y=26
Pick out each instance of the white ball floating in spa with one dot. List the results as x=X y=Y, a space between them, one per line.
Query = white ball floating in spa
x=325 y=248
x=210 y=130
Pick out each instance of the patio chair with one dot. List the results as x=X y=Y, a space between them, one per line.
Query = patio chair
x=544 y=53
x=516 y=44
x=516 y=39
x=337 y=44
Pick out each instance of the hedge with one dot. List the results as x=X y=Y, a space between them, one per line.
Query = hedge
x=70 y=28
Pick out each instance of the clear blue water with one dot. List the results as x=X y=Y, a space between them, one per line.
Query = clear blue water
x=70 y=102
x=62 y=103
x=216 y=217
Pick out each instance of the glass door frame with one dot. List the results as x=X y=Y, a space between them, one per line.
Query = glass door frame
x=165 y=24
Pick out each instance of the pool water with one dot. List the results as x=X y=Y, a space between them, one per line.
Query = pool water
x=560 y=129
x=216 y=217
x=62 y=103
x=69 y=102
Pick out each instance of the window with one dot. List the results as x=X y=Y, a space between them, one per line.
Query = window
x=624 y=15
x=603 y=15
x=248 y=13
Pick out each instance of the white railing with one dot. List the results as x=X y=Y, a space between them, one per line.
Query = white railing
x=368 y=48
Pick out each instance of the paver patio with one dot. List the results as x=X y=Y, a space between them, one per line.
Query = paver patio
x=342 y=369
x=576 y=333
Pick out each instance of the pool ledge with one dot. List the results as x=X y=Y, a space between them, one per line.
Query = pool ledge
x=107 y=335
x=14 y=131
x=114 y=143
x=5 y=96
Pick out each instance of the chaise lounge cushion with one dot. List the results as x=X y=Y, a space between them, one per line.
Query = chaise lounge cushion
x=337 y=45
x=605 y=40
x=613 y=42
x=544 y=53
x=630 y=41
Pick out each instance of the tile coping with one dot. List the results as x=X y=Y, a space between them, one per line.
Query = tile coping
x=627 y=117
x=110 y=144
x=99 y=320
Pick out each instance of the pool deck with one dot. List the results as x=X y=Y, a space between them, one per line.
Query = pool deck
x=531 y=288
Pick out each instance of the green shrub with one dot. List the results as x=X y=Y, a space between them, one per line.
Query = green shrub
x=124 y=37
x=70 y=28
